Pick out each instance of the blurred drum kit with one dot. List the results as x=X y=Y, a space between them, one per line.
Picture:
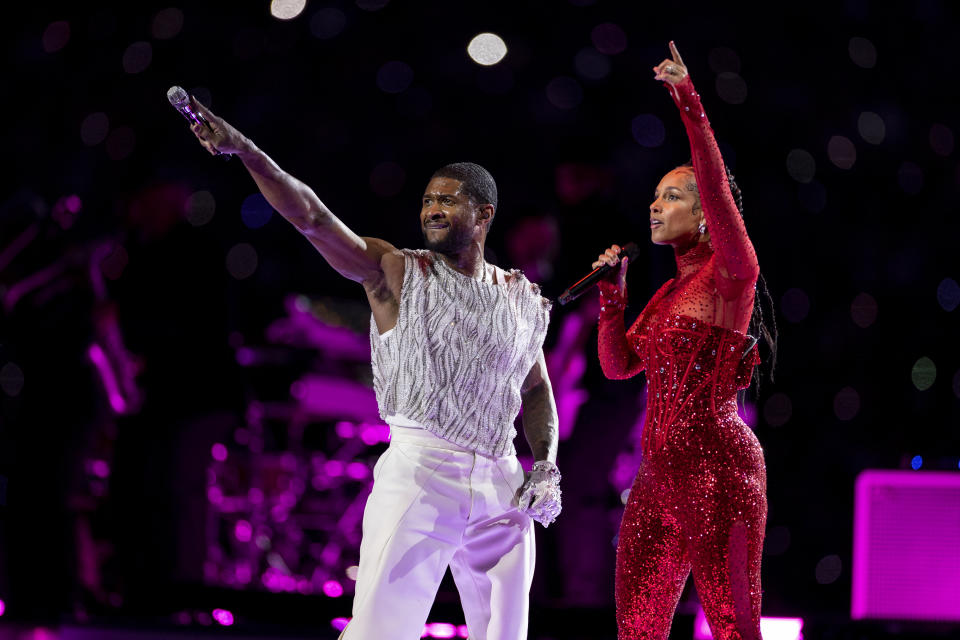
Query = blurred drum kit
x=285 y=499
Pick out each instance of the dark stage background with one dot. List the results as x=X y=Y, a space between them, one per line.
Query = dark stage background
x=169 y=347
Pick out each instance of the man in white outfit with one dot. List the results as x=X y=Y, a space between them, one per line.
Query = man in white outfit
x=456 y=346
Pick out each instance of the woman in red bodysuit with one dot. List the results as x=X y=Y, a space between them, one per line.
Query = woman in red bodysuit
x=699 y=499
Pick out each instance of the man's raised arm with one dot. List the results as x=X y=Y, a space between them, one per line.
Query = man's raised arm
x=352 y=256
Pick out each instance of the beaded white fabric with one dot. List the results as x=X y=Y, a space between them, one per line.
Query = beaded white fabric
x=459 y=353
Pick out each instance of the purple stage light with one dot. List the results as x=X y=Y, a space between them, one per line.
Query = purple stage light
x=906 y=546
x=463 y=632
x=333 y=468
x=99 y=468
x=770 y=628
x=219 y=452
x=215 y=495
x=339 y=623
x=3 y=607
x=357 y=470
x=223 y=617
x=332 y=589
x=243 y=531
x=439 y=630
x=99 y=359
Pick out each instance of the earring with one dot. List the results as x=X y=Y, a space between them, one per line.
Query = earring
x=702 y=228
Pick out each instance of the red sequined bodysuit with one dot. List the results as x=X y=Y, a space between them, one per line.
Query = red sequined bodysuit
x=699 y=499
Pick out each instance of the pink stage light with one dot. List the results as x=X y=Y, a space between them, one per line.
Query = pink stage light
x=243 y=531
x=99 y=359
x=339 y=623
x=462 y=631
x=3 y=607
x=223 y=616
x=333 y=468
x=439 y=630
x=357 y=470
x=219 y=452
x=100 y=468
x=770 y=628
x=332 y=589
x=906 y=546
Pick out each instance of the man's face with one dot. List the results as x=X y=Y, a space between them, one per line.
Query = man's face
x=448 y=218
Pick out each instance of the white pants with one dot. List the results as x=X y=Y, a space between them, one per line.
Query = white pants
x=434 y=505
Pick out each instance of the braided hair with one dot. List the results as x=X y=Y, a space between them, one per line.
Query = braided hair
x=758 y=319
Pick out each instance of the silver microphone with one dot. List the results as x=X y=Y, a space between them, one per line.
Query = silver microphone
x=180 y=100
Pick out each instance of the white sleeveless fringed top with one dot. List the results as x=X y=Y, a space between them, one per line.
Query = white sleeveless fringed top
x=459 y=353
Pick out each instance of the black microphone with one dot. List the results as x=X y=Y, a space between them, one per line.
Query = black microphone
x=180 y=100
x=579 y=287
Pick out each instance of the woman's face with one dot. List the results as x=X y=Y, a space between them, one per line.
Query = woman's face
x=675 y=212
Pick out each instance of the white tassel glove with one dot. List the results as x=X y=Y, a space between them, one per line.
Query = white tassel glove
x=539 y=497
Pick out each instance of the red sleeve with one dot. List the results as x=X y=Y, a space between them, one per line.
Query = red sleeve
x=618 y=358
x=737 y=262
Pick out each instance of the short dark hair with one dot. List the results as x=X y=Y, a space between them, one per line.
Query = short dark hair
x=477 y=182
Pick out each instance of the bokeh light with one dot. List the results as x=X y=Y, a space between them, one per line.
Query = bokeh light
x=328 y=23
x=777 y=409
x=167 y=23
x=94 y=128
x=243 y=531
x=863 y=310
x=223 y=617
x=332 y=589
x=801 y=166
x=731 y=88
x=862 y=52
x=394 y=77
x=255 y=211
x=910 y=178
x=916 y=463
x=924 y=373
x=648 y=130
x=387 y=179
x=829 y=569
x=11 y=379
x=352 y=572
x=199 y=208
x=242 y=261
x=871 y=127
x=564 y=92
x=795 y=305
x=841 y=151
x=591 y=64
x=137 y=57
x=3 y=607
x=287 y=9
x=948 y=294
x=339 y=623
x=609 y=38
x=487 y=49
x=218 y=452
x=941 y=139
x=846 y=404
x=55 y=36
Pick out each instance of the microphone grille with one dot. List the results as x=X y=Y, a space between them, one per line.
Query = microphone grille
x=177 y=96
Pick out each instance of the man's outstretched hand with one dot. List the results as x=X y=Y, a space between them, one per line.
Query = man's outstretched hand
x=219 y=137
